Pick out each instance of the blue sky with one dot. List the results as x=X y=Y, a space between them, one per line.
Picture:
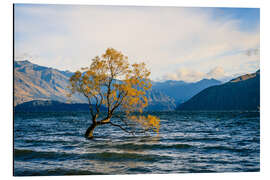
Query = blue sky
x=176 y=43
x=249 y=18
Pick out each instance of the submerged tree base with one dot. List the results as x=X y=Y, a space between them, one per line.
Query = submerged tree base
x=89 y=132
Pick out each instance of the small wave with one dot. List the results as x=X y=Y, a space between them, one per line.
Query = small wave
x=113 y=156
x=55 y=172
x=23 y=154
x=199 y=170
x=195 y=139
x=139 y=170
x=207 y=139
x=20 y=152
x=227 y=148
x=132 y=146
x=47 y=142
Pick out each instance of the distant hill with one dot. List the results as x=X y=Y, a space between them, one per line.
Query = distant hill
x=34 y=82
x=181 y=91
x=241 y=93
x=159 y=101
x=51 y=106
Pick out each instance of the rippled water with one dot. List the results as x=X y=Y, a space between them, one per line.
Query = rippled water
x=53 y=144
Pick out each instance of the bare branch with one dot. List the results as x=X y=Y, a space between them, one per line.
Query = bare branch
x=117 y=125
x=108 y=95
x=122 y=119
x=100 y=103
x=118 y=103
x=134 y=131
x=90 y=106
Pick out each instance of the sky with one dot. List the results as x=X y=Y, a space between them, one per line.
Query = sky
x=176 y=43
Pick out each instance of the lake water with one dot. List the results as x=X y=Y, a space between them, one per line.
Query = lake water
x=189 y=142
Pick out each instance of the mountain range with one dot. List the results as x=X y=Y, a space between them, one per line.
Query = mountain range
x=241 y=93
x=34 y=83
x=181 y=91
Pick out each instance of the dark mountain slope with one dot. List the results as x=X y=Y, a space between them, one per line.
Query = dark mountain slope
x=51 y=106
x=242 y=93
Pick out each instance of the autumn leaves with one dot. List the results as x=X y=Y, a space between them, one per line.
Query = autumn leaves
x=112 y=82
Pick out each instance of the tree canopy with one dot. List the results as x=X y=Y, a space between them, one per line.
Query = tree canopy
x=111 y=82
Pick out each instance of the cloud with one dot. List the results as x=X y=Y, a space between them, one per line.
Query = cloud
x=190 y=75
x=185 y=75
x=166 y=38
x=253 y=52
x=217 y=72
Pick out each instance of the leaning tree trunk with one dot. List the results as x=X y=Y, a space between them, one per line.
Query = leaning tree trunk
x=89 y=132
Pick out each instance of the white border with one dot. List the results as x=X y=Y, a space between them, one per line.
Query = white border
x=190 y=3
x=6 y=49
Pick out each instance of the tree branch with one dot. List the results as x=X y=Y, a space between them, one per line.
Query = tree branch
x=90 y=106
x=117 y=125
x=101 y=100
x=123 y=120
x=118 y=103
x=108 y=95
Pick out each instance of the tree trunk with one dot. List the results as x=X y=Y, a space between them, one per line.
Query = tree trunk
x=89 y=132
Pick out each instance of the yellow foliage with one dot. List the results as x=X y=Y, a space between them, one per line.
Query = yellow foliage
x=147 y=122
x=111 y=81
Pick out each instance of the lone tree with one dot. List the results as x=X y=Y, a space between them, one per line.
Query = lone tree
x=111 y=82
